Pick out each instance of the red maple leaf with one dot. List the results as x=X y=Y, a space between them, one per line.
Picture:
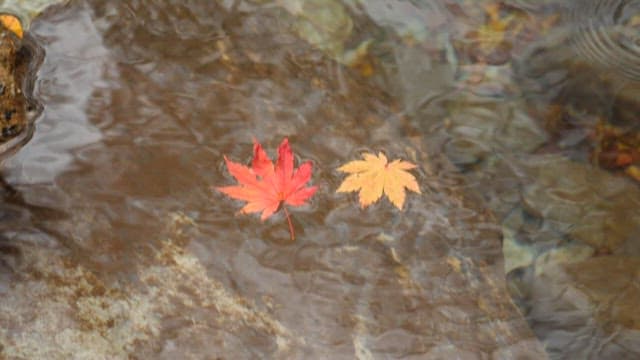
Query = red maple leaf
x=265 y=186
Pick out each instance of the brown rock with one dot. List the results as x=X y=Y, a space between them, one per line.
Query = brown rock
x=12 y=103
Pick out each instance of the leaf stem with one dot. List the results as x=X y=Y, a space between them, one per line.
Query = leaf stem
x=293 y=237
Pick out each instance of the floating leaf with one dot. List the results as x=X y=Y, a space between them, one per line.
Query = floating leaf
x=265 y=186
x=374 y=176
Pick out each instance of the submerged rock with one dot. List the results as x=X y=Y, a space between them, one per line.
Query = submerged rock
x=590 y=205
x=587 y=307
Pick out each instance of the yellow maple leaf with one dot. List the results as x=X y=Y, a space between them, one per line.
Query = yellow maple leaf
x=374 y=176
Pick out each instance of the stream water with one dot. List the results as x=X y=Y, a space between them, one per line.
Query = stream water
x=114 y=243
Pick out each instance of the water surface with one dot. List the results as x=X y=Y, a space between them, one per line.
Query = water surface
x=116 y=237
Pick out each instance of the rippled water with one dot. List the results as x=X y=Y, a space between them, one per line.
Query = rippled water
x=609 y=33
x=114 y=244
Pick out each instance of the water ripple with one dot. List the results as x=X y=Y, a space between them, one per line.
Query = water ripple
x=608 y=33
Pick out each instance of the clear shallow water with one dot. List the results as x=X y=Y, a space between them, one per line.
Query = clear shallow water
x=115 y=245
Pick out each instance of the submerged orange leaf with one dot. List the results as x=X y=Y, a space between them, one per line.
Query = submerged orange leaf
x=375 y=176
